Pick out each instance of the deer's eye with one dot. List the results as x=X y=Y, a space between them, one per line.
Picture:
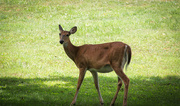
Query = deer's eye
x=59 y=34
x=68 y=34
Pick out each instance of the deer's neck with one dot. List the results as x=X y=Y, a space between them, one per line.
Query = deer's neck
x=70 y=50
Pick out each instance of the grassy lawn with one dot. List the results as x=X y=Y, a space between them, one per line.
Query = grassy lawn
x=34 y=69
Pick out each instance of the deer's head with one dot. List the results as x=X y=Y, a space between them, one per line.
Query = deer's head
x=64 y=35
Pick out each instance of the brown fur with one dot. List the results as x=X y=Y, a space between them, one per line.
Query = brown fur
x=98 y=58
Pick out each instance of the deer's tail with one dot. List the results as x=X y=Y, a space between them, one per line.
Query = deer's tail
x=127 y=54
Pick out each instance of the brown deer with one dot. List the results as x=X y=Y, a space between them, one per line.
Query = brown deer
x=101 y=58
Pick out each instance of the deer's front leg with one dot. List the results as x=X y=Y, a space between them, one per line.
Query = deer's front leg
x=96 y=82
x=82 y=72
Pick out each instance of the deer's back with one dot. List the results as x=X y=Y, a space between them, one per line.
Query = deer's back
x=98 y=55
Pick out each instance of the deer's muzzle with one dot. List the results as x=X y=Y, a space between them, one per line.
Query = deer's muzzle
x=61 y=41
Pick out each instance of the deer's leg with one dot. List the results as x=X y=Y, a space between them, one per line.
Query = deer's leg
x=96 y=82
x=82 y=72
x=118 y=88
x=120 y=73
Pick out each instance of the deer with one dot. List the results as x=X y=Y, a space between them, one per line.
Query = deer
x=102 y=58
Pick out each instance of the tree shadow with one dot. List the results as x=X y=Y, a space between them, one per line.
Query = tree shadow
x=60 y=90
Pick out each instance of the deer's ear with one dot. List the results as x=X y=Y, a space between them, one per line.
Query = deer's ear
x=73 y=30
x=60 y=28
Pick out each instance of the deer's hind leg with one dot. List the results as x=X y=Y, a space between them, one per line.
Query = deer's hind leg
x=118 y=88
x=125 y=79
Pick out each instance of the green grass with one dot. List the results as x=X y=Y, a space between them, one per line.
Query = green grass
x=34 y=69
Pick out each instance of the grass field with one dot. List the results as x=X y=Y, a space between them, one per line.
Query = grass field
x=34 y=69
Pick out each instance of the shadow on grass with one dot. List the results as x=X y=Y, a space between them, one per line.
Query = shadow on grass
x=59 y=90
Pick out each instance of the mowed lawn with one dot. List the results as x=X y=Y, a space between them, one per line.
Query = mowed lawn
x=34 y=69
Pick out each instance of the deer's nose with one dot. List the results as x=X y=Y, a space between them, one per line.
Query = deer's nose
x=61 y=41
